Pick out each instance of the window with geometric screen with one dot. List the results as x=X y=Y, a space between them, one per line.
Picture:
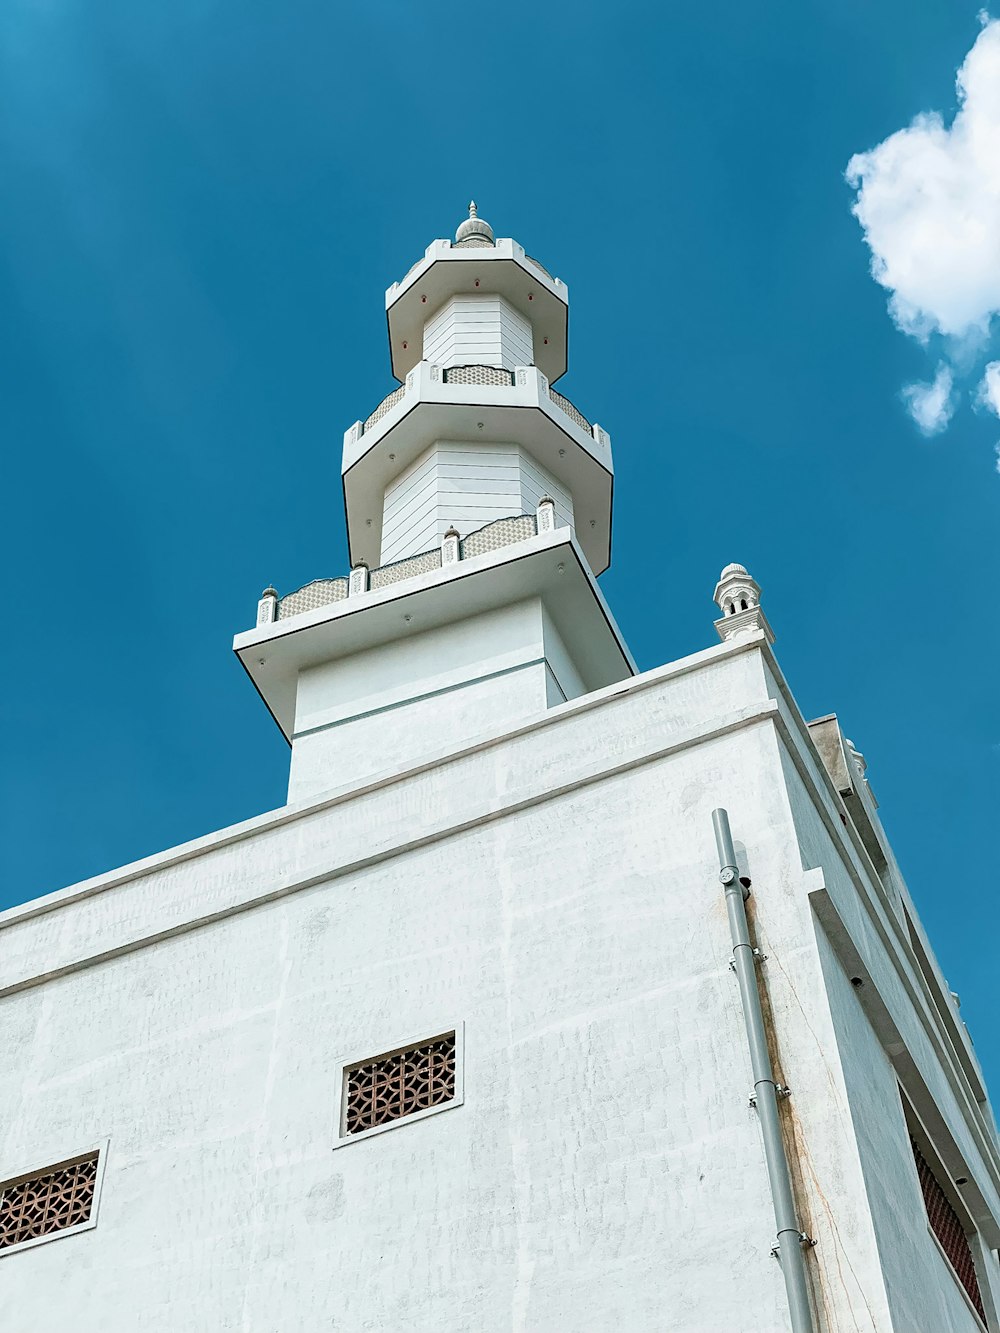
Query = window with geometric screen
x=47 y=1202
x=947 y=1226
x=399 y=1084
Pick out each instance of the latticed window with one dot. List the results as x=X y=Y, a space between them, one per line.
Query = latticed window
x=47 y=1202
x=399 y=1084
x=493 y=375
x=947 y=1226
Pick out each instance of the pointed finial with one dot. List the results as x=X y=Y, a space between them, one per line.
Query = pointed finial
x=474 y=231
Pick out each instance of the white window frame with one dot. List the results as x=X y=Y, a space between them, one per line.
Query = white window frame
x=380 y=1051
x=55 y=1162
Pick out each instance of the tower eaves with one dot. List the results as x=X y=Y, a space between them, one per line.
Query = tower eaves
x=475 y=266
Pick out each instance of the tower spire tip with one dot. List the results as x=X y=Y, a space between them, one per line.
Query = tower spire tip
x=474 y=231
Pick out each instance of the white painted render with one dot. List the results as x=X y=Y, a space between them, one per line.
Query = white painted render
x=505 y=269
x=429 y=408
x=478 y=331
x=554 y=886
x=464 y=485
x=549 y=565
x=494 y=827
x=400 y=702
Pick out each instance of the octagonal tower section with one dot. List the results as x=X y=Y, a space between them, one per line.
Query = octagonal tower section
x=475 y=433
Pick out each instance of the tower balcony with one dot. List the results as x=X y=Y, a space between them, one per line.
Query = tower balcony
x=501 y=268
x=504 y=565
x=477 y=405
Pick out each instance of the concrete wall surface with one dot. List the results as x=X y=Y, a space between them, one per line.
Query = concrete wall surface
x=895 y=1052
x=465 y=486
x=391 y=705
x=553 y=891
x=896 y=1048
x=478 y=331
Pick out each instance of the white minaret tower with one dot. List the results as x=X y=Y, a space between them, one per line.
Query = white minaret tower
x=478 y=504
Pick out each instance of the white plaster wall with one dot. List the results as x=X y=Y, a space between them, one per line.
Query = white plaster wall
x=604 y=1172
x=464 y=485
x=398 y=703
x=922 y=1291
x=563 y=679
x=478 y=331
x=878 y=936
x=556 y=890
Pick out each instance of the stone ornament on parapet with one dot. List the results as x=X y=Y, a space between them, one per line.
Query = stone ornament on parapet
x=450 y=553
x=267 y=607
x=358 y=580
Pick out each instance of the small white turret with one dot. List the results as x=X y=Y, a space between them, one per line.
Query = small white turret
x=737 y=595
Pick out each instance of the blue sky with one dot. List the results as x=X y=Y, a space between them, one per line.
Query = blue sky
x=203 y=205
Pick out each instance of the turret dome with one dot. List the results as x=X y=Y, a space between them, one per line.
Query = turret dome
x=474 y=228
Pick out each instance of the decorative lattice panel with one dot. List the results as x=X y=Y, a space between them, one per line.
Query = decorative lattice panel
x=947 y=1226
x=573 y=413
x=47 y=1203
x=386 y=405
x=473 y=243
x=501 y=532
x=538 y=265
x=492 y=375
x=406 y=569
x=321 y=592
x=400 y=1084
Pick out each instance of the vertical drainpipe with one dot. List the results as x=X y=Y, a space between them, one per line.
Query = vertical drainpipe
x=790 y=1236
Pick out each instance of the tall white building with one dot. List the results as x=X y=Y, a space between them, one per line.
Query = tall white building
x=491 y=1027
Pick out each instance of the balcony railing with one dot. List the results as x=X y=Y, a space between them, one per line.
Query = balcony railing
x=321 y=592
x=489 y=377
x=324 y=592
x=386 y=405
x=541 y=266
x=572 y=412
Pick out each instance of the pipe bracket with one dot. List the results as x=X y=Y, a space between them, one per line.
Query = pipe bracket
x=805 y=1240
x=758 y=957
x=780 y=1092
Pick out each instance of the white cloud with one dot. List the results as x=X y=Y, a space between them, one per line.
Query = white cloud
x=989 y=389
x=928 y=199
x=989 y=396
x=931 y=405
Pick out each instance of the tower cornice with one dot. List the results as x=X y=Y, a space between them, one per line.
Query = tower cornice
x=549 y=565
x=431 y=405
x=503 y=269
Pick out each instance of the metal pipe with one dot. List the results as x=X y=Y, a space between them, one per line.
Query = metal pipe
x=790 y=1236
